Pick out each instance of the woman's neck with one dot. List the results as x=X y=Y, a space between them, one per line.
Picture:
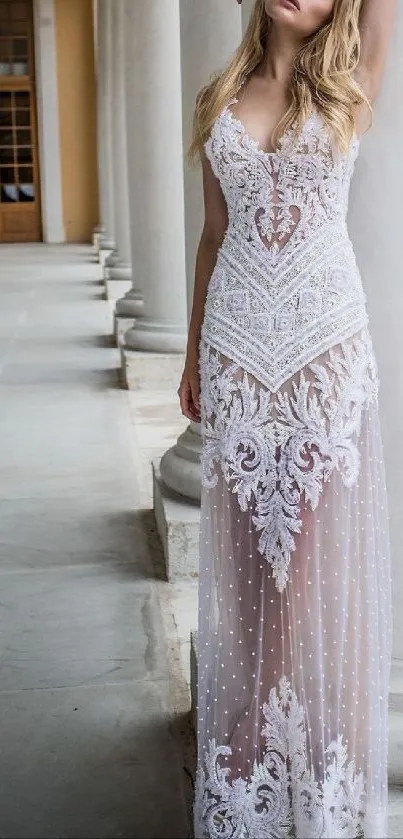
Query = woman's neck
x=278 y=61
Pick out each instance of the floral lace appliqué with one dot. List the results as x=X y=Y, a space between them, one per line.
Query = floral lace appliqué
x=276 y=199
x=274 y=448
x=281 y=798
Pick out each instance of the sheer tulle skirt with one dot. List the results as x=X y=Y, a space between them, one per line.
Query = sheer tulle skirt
x=293 y=683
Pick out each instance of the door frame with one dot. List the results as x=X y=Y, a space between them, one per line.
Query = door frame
x=14 y=85
x=47 y=107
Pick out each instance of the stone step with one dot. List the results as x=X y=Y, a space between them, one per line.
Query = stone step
x=395 y=820
x=396 y=724
x=116 y=288
x=396 y=687
x=396 y=748
x=178 y=523
x=150 y=370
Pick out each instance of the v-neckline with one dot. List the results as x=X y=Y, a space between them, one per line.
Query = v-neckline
x=277 y=153
x=252 y=141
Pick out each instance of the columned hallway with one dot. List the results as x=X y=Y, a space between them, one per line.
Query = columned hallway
x=87 y=687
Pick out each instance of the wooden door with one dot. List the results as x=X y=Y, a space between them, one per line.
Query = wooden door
x=20 y=215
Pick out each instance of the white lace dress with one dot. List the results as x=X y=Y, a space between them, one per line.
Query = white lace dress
x=295 y=614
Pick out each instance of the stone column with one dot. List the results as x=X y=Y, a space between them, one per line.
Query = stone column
x=131 y=305
x=97 y=232
x=118 y=270
x=210 y=32
x=106 y=232
x=155 y=151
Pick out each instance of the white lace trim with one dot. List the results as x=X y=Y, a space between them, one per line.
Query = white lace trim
x=274 y=448
x=281 y=798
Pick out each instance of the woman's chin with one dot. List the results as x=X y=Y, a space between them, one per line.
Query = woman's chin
x=283 y=16
x=282 y=13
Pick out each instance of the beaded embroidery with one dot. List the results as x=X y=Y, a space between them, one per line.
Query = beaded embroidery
x=275 y=448
x=286 y=285
x=264 y=806
x=284 y=291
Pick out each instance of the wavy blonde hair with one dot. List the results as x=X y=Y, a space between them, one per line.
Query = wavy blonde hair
x=322 y=77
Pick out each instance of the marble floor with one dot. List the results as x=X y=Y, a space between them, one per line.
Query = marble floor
x=92 y=698
x=94 y=659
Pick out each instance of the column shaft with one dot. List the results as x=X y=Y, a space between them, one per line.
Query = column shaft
x=154 y=125
x=104 y=101
x=210 y=33
x=119 y=263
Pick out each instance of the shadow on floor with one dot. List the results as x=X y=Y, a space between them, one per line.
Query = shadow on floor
x=112 y=769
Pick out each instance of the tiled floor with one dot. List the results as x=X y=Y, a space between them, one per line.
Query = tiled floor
x=88 y=748
x=94 y=655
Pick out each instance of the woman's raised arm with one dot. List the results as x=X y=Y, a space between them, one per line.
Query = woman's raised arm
x=376 y=23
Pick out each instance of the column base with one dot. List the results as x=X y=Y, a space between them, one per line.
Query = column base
x=178 y=525
x=149 y=370
x=117 y=276
x=131 y=305
x=106 y=247
x=180 y=465
x=156 y=336
x=116 y=267
x=127 y=310
x=113 y=258
x=103 y=254
x=97 y=235
x=115 y=288
x=120 y=326
x=117 y=281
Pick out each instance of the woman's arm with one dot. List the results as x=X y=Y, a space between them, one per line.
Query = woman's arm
x=376 y=22
x=215 y=225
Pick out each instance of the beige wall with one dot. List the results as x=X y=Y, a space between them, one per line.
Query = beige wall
x=77 y=116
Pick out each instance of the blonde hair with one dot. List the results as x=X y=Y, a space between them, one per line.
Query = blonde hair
x=322 y=77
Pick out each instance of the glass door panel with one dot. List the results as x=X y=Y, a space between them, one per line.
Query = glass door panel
x=19 y=177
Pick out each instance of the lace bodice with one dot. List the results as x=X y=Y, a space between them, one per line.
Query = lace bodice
x=286 y=285
x=280 y=198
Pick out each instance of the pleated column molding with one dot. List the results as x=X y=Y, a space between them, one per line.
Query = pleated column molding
x=106 y=234
x=155 y=152
x=210 y=33
x=118 y=264
x=375 y=223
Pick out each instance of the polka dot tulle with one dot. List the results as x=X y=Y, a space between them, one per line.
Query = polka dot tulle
x=293 y=684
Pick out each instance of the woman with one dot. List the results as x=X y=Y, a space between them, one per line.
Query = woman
x=294 y=622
